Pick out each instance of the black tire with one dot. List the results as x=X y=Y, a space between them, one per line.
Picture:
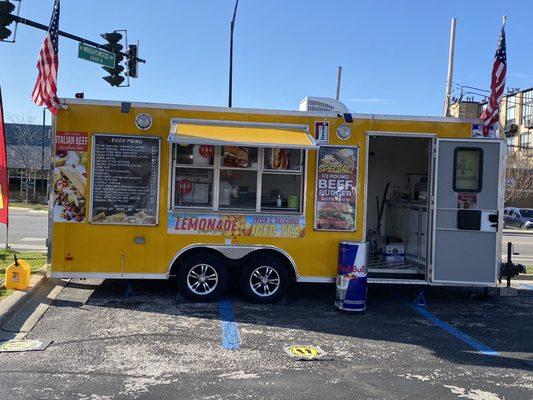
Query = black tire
x=261 y=295
x=186 y=279
x=523 y=227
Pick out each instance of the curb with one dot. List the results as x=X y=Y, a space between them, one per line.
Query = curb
x=28 y=209
x=524 y=277
x=12 y=303
x=518 y=232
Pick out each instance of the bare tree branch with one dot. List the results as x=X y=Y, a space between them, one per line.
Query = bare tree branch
x=519 y=175
x=23 y=147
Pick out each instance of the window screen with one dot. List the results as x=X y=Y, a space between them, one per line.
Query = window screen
x=238 y=178
x=467 y=169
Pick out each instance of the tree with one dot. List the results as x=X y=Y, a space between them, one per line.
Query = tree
x=24 y=151
x=519 y=175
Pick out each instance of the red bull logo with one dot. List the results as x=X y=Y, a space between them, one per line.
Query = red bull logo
x=351 y=269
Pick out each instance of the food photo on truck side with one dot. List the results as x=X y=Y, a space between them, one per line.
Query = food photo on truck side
x=211 y=196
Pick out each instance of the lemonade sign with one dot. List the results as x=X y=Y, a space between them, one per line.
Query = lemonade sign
x=236 y=225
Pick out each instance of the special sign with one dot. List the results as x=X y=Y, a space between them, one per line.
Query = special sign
x=236 y=225
x=336 y=191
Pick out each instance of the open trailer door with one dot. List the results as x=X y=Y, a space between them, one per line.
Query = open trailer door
x=468 y=195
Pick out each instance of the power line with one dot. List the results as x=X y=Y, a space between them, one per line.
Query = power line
x=519 y=147
x=475 y=91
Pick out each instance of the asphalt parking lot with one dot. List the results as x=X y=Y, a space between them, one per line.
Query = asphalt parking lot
x=153 y=345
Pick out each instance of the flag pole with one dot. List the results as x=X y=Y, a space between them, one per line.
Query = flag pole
x=339 y=75
x=448 y=94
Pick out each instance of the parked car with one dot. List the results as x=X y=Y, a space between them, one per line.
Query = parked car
x=521 y=218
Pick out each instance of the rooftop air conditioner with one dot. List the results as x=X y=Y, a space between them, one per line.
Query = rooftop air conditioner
x=510 y=130
x=323 y=104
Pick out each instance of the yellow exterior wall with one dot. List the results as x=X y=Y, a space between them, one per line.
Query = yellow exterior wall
x=87 y=248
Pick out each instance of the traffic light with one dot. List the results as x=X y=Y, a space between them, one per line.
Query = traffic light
x=113 y=39
x=6 y=18
x=133 y=52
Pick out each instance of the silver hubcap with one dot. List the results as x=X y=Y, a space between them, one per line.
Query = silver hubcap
x=202 y=279
x=264 y=281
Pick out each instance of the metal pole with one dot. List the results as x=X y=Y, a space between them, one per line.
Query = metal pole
x=7 y=236
x=42 y=27
x=448 y=95
x=232 y=28
x=42 y=150
x=339 y=75
x=509 y=260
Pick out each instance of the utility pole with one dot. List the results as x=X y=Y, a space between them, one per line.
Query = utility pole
x=339 y=75
x=448 y=94
x=232 y=28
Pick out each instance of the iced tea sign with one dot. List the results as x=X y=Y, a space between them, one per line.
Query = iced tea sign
x=336 y=188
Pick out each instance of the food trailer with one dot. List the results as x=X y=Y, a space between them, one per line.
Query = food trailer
x=214 y=196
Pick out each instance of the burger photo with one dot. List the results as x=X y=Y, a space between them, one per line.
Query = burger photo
x=335 y=216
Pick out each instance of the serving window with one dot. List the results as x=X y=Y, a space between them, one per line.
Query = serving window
x=237 y=178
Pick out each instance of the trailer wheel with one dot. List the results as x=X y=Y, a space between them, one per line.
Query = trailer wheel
x=202 y=278
x=264 y=279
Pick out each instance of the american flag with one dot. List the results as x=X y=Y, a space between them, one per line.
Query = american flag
x=45 y=90
x=491 y=114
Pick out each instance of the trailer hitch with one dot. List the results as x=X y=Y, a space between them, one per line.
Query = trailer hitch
x=509 y=269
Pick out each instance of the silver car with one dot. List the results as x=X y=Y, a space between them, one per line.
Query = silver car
x=521 y=218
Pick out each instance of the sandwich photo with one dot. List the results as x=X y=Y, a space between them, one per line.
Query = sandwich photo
x=335 y=216
x=235 y=156
x=69 y=190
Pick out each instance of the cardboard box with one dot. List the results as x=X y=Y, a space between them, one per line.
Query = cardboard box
x=394 y=252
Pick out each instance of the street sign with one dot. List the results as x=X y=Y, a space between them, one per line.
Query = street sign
x=95 y=55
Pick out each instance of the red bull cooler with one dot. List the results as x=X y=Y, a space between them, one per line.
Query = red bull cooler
x=352 y=276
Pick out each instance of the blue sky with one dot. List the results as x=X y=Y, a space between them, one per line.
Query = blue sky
x=394 y=53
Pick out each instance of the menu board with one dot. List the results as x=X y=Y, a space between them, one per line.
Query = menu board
x=336 y=188
x=125 y=180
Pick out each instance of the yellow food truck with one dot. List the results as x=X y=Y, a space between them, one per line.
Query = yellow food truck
x=213 y=196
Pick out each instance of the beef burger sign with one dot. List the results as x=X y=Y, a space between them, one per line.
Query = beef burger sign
x=336 y=188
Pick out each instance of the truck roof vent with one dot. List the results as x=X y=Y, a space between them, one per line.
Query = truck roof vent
x=322 y=104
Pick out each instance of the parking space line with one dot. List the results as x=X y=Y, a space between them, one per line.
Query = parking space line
x=230 y=332
x=480 y=347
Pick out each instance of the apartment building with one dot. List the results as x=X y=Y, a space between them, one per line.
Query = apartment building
x=516 y=126
x=516 y=118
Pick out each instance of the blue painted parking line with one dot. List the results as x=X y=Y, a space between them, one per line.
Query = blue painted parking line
x=480 y=347
x=230 y=332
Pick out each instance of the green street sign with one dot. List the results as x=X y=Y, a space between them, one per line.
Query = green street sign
x=95 y=55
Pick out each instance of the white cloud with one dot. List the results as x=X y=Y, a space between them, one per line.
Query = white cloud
x=521 y=75
x=372 y=100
